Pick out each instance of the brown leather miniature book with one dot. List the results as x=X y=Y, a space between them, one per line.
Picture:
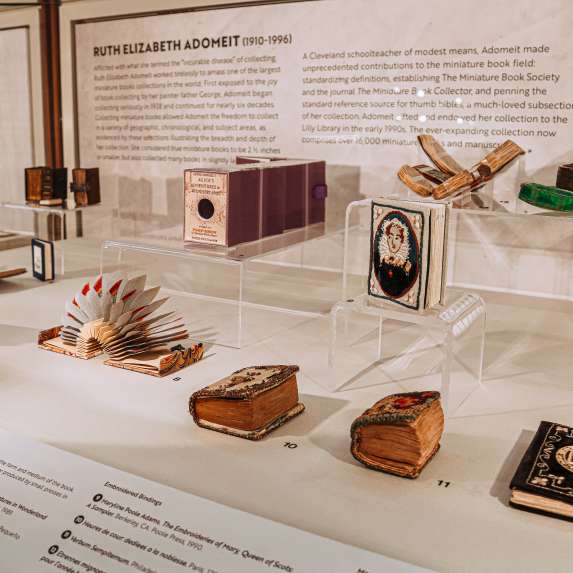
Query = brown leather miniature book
x=85 y=186
x=46 y=185
x=249 y=403
x=400 y=433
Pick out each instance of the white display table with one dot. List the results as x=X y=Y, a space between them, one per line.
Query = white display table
x=453 y=518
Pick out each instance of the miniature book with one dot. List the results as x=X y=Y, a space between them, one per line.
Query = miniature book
x=8 y=272
x=43 y=260
x=399 y=434
x=46 y=185
x=118 y=316
x=547 y=197
x=425 y=181
x=249 y=403
x=252 y=200
x=85 y=186
x=543 y=482
x=408 y=253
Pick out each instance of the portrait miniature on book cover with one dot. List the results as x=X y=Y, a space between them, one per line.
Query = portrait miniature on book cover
x=395 y=260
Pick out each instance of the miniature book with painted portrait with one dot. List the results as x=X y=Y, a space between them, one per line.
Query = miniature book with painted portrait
x=408 y=253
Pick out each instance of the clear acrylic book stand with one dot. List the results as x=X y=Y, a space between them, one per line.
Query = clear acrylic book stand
x=240 y=295
x=371 y=345
x=376 y=343
x=58 y=232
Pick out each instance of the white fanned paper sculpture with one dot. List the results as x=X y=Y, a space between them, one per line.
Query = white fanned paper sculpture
x=118 y=316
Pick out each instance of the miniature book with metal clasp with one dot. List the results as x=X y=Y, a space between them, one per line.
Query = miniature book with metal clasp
x=400 y=433
x=543 y=482
x=117 y=316
x=408 y=253
x=249 y=403
x=85 y=186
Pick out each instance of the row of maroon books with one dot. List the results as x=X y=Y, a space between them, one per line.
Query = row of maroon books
x=259 y=197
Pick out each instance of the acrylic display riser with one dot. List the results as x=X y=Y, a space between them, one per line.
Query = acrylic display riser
x=237 y=296
x=49 y=223
x=372 y=344
x=522 y=250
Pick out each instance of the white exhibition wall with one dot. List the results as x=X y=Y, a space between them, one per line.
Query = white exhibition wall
x=16 y=135
x=350 y=82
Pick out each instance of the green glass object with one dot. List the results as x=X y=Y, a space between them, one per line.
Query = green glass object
x=547 y=197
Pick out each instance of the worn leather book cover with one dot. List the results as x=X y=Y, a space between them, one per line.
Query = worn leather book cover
x=249 y=403
x=399 y=434
x=46 y=185
x=85 y=186
x=543 y=482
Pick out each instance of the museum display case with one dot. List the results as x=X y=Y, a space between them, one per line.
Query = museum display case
x=340 y=230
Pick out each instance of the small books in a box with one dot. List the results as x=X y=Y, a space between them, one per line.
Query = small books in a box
x=43 y=260
x=399 y=434
x=408 y=252
x=543 y=482
x=117 y=316
x=252 y=200
x=249 y=403
x=8 y=272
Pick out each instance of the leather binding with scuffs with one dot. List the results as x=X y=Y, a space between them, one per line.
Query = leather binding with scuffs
x=85 y=186
x=47 y=186
x=250 y=403
x=543 y=482
x=399 y=434
x=454 y=178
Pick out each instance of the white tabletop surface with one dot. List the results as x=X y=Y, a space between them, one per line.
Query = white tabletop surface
x=141 y=424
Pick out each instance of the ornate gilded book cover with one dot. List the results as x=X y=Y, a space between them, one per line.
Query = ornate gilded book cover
x=400 y=433
x=249 y=403
x=543 y=482
x=408 y=252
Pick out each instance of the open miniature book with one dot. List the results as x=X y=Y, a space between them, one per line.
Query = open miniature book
x=118 y=317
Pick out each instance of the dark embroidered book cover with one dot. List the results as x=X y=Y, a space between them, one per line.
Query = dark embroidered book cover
x=543 y=482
